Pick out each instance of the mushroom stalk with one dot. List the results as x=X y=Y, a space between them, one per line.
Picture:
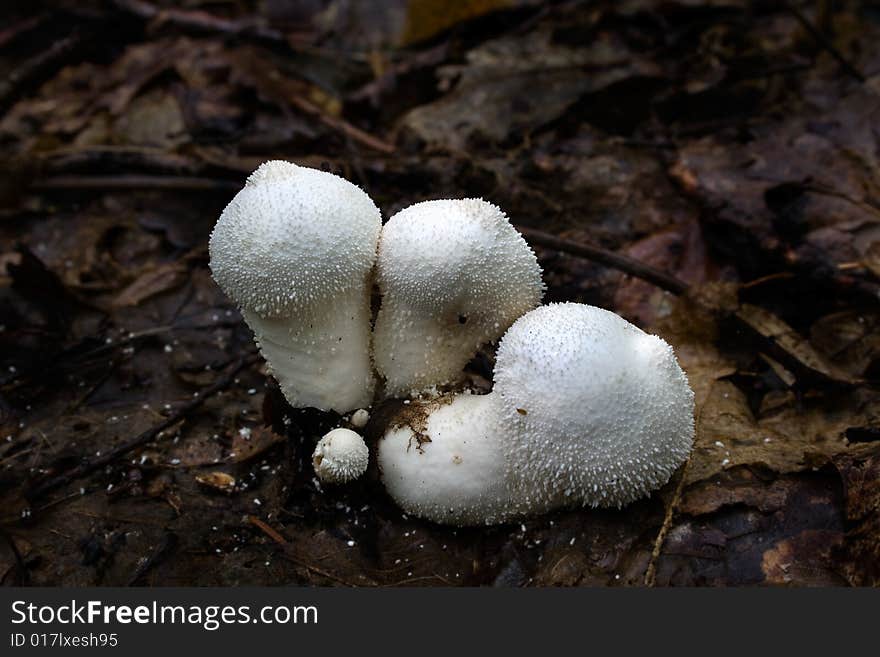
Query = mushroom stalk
x=323 y=362
x=417 y=349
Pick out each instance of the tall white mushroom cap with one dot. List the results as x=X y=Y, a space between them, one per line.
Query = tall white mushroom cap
x=455 y=477
x=454 y=274
x=340 y=456
x=295 y=250
x=594 y=410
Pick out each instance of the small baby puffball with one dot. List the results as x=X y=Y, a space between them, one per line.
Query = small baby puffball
x=586 y=409
x=340 y=456
x=360 y=418
x=295 y=250
x=454 y=275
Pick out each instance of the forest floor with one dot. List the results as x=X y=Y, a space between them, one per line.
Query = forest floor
x=732 y=145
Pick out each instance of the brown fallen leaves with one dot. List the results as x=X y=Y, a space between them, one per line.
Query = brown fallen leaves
x=721 y=144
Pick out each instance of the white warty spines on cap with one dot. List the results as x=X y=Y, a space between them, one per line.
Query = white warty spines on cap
x=340 y=456
x=586 y=409
x=454 y=274
x=295 y=250
x=594 y=410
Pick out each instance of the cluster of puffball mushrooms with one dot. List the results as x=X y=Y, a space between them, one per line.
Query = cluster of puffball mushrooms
x=586 y=408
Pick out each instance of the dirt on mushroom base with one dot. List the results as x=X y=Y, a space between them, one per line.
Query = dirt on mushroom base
x=408 y=413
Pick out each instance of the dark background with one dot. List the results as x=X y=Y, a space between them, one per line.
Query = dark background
x=732 y=145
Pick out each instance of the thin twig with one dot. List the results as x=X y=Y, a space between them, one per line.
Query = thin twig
x=70 y=358
x=200 y=21
x=16 y=30
x=74 y=406
x=341 y=125
x=287 y=551
x=288 y=554
x=147 y=436
x=651 y=572
x=74 y=159
x=266 y=529
x=286 y=92
x=126 y=182
x=672 y=507
x=31 y=73
x=823 y=41
x=423 y=578
x=623 y=263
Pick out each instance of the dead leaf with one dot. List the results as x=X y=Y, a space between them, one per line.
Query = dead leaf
x=217 y=480
x=802 y=559
x=796 y=349
x=507 y=89
x=150 y=283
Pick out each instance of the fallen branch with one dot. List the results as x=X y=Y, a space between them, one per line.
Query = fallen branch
x=343 y=126
x=623 y=263
x=18 y=29
x=824 y=43
x=147 y=436
x=671 y=508
x=31 y=73
x=126 y=182
x=777 y=338
x=72 y=160
x=267 y=530
x=286 y=92
x=199 y=21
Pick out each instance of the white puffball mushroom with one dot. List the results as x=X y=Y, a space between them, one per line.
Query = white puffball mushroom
x=295 y=250
x=594 y=410
x=360 y=418
x=457 y=475
x=340 y=456
x=454 y=275
x=586 y=409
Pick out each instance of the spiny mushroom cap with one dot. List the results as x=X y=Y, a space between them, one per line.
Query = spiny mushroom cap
x=594 y=410
x=293 y=237
x=340 y=456
x=461 y=254
x=458 y=475
x=360 y=418
x=454 y=274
